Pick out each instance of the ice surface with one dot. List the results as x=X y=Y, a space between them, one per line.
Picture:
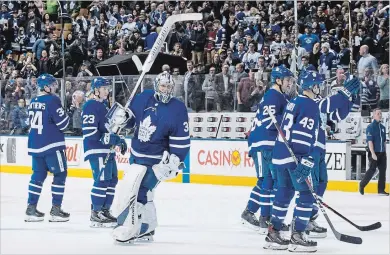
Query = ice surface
x=194 y=219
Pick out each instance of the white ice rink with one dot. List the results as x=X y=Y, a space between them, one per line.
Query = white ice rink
x=194 y=219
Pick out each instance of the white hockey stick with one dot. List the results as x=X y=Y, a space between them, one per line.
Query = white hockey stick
x=152 y=57
x=157 y=46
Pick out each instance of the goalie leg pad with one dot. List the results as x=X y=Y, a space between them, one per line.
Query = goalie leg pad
x=127 y=208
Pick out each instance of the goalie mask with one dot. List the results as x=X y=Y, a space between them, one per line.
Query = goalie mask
x=163 y=87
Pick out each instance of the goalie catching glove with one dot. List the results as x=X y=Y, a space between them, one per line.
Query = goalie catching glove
x=168 y=167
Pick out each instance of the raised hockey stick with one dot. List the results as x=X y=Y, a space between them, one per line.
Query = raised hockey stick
x=152 y=57
x=338 y=235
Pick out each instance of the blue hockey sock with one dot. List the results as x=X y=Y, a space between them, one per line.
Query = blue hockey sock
x=320 y=190
x=303 y=210
x=34 y=191
x=265 y=202
x=98 y=194
x=35 y=186
x=58 y=188
x=110 y=193
x=280 y=206
x=254 y=198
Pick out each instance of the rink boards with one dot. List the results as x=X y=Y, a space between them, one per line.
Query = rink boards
x=210 y=161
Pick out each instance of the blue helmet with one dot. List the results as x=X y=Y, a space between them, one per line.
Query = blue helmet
x=166 y=79
x=99 y=82
x=310 y=78
x=280 y=72
x=46 y=80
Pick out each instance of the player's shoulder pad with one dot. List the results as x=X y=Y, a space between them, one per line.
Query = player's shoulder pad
x=53 y=100
x=177 y=106
x=90 y=106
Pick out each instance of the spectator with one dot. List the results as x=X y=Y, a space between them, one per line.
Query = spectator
x=224 y=90
x=150 y=39
x=244 y=90
x=382 y=38
x=192 y=88
x=251 y=57
x=43 y=64
x=308 y=40
x=366 y=61
x=327 y=60
x=372 y=89
x=78 y=99
x=338 y=83
x=20 y=120
x=209 y=88
x=31 y=89
x=177 y=50
x=198 y=41
x=383 y=83
x=178 y=79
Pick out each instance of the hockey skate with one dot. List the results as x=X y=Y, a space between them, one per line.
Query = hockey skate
x=299 y=242
x=264 y=222
x=274 y=240
x=33 y=215
x=58 y=215
x=98 y=220
x=108 y=215
x=315 y=231
x=263 y=225
x=249 y=220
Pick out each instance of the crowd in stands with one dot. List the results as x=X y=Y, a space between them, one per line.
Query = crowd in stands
x=229 y=54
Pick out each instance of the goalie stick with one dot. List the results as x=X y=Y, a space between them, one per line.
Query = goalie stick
x=338 y=235
x=152 y=57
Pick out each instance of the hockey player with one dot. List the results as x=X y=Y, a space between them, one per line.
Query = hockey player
x=262 y=139
x=300 y=127
x=46 y=145
x=97 y=142
x=160 y=144
x=334 y=108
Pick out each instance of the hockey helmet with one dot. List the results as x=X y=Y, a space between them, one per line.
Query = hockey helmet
x=99 y=82
x=310 y=78
x=46 y=80
x=280 y=72
x=164 y=80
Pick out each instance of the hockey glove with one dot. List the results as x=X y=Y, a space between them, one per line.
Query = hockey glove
x=168 y=167
x=118 y=117
x=351 y=87
x=303 y=169
x=110 y=139
x=123 y=145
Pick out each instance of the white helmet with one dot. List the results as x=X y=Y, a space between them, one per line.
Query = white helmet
x=166 y=80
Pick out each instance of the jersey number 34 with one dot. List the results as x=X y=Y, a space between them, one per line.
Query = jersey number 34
x=36 y=121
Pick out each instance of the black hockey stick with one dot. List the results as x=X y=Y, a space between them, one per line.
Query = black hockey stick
x=219 y=124
x=338 y=235
x=361 y=228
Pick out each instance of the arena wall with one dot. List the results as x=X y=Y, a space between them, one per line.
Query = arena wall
x=210 y=161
